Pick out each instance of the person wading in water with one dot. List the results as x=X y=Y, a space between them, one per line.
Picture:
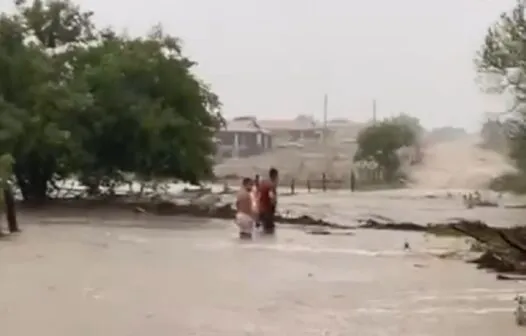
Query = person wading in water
x=268 y=201
x=245 y=216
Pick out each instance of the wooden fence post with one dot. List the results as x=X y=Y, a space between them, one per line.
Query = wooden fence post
x=324 y=182
x=353 y=181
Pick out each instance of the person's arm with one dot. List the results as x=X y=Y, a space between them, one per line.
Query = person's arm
x=272 y=195
x=273 y=198
x=254 y=201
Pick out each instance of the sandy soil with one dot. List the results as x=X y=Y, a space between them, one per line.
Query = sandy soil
x=460 y=163
x=308 y=161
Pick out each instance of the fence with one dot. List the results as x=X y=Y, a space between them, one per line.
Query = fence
x=358 y=179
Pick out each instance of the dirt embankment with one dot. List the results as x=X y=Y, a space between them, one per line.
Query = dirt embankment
x=459 y=164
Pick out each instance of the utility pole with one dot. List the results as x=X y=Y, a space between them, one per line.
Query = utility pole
x=374 y=111
x=325 y=111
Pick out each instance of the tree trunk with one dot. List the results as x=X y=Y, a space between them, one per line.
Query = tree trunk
x=32 y=187
x=9 y=200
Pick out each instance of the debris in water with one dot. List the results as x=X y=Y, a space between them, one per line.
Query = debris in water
x=139 y=210
x=320 y=231
x=325 y=232
x=511 y=277
x=93 y=293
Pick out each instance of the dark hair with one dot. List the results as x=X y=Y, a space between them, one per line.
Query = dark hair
x=273 y=173
x=246 y=180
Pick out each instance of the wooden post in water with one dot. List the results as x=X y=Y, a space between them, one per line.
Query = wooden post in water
x=353 y=181
x=292 y=187
x=324 y=182
x=308 y=185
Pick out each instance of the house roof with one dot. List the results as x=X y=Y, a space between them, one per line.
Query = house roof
x=299 y=123
x=244 y=124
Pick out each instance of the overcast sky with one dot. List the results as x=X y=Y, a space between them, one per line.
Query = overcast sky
x=276 y=58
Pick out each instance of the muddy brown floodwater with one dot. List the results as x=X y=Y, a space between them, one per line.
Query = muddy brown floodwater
x=93 y=275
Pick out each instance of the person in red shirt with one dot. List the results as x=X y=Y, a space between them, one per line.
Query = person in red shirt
x=268 y=201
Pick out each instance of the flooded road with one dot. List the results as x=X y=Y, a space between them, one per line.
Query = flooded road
x=110 y=279
x=418 y=206
x=97 y=273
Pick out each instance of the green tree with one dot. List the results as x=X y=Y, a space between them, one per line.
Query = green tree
x=494 y=135
x=35 y=96
x=380 y=142
x=412 y=122
x=502 y=64
x=78 y=101
x=150 y=115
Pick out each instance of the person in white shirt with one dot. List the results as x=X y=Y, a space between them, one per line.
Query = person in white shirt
x=245 y=216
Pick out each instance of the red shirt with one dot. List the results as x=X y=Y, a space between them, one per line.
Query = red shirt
x=266 y=204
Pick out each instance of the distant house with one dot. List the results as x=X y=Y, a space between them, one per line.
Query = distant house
x=300 y=128
x=338 y=122
x=345 y=130
x=243 y=137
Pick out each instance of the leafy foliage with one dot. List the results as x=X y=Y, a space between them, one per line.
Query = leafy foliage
x=502 y=62
x=79 y=101
x=494 y=135
x=379 y=143
x=413 y=123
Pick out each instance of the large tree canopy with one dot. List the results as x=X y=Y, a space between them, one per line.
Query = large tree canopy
x=502 y=64
x=79 y=101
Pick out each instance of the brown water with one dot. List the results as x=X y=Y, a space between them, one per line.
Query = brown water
x=403 y=205
x=98 y=274
x=106 y=278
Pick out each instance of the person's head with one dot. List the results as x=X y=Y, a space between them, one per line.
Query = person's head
x=273 y=175
x=247 y=183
